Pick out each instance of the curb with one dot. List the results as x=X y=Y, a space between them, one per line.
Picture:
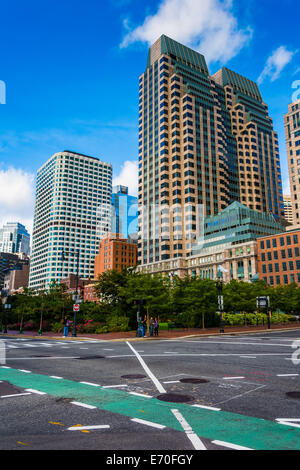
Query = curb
x=149 y=338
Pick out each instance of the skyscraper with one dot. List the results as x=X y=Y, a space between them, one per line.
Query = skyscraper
x=125 y=214
x=72 y=210
x=292 y=132
x=14 y=238
x=203 y=140
x=288 y=208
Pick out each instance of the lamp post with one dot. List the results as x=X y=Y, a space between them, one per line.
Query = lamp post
x=74 y=334
x=219 y=287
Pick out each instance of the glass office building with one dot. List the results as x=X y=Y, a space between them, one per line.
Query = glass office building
x=125 y=213
x=14 y=238
x=72 y=212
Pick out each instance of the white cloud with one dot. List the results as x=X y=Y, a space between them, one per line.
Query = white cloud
x=207 y=26
x=16 y=197
x=279 y=59
x=128 y=176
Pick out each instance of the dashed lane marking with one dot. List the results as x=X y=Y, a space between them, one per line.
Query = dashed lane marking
x=84 y=428
x=230 y=446
x=15 y=395
x=195 y=440
x=148 y=423
x=89 y=383
x=84 y=405
x=233 y=378
x=31 y=390
x=207 y=407
x=140 y=395
x=241 y=430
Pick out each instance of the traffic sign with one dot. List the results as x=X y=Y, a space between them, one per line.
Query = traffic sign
x=76 y=308
x=263 y=302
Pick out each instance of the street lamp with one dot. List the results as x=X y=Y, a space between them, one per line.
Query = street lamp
x=219 y=287
x=74 y=334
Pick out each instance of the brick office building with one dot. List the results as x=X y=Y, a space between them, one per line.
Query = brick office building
x=115 y=253
x=279 y=258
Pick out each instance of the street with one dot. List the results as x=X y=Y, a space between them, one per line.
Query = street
x=214 y=393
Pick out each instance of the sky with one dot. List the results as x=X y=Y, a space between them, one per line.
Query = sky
x=69 y=75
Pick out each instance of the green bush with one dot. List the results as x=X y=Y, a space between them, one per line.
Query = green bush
x=116 y=323
x=240 y=319
x=102 y=329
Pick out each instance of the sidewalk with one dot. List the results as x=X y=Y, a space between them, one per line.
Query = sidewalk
x=163 y=334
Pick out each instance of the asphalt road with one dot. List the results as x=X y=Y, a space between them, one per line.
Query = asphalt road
x=73 y=394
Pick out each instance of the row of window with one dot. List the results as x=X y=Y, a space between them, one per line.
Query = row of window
x=282 y=241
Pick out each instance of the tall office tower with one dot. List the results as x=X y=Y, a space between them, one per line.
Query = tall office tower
x=292 y=132
x=288 y=208
x=14 y=238
x=125 y=215
x=72 y=213
x=202 y=141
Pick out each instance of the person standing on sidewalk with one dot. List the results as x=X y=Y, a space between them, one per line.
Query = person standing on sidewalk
x=66 y=327
x=156 y=326
x=151 y=326
x=145 y=326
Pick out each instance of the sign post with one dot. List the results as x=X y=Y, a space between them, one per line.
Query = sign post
x=264 y=302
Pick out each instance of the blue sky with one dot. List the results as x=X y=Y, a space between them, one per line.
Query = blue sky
x=71 y=70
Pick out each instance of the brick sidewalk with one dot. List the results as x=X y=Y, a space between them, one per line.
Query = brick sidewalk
x=163 y=334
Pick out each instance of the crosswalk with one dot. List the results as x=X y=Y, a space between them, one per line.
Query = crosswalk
x=22 y=343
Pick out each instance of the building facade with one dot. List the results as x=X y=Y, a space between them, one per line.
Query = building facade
x=288 y=208
x=203 y=140
x=14 y=238
x=292 y=133
x=90 y=293
x=279 y=258
x=125 y=213
x=229 y=247
x=16 y=279
x=115 y=253
x=11 y=262
x=72 y=213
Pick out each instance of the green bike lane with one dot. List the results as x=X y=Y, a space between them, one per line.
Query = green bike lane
x=246 y=431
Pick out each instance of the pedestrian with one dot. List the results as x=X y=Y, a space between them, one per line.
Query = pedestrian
x=151 y=326
x=66 y=327
x=156 y=326
x=145 y=326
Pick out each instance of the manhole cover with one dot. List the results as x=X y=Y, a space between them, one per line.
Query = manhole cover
x=193 y=381
x=293 y=394
x=133 y=376
x=175 y=397
x=87 y=358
